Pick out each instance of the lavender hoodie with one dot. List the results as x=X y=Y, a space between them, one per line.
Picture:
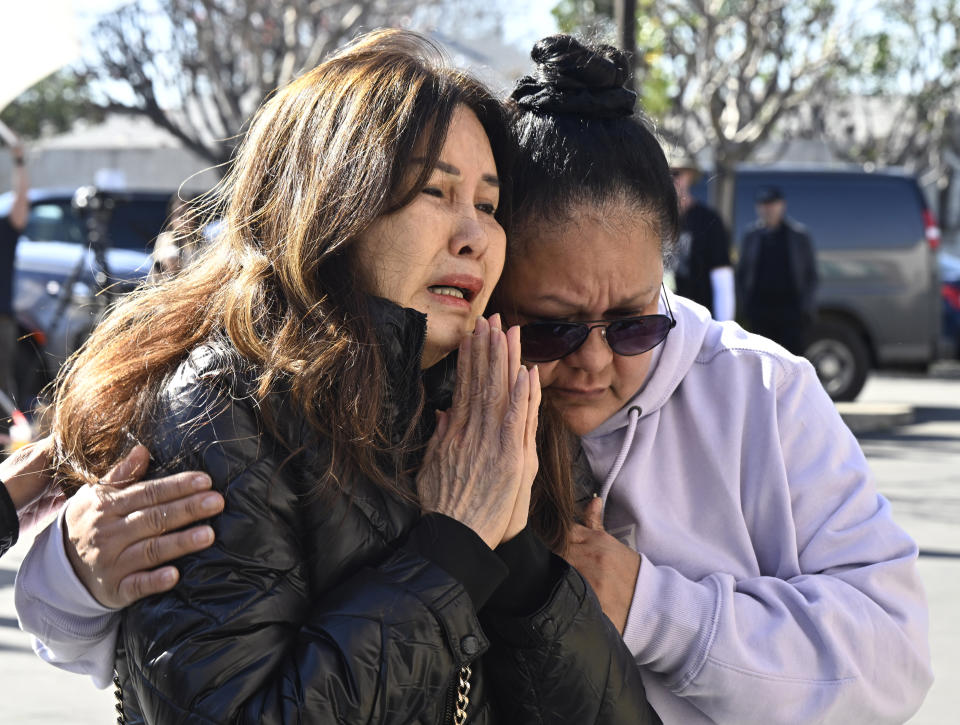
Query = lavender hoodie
x=774 y=585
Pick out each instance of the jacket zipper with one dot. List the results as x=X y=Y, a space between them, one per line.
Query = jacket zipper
x=447 y=716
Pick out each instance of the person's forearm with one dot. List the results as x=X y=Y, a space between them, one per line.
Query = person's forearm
x=534 y=574
x=9 y=527
x=567 y=646
x=23 y=472
x=460 y=552
x=724 y=297
x=20 y=211
x=71 y=630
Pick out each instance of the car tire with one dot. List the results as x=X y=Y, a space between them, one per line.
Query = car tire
x=840 y=357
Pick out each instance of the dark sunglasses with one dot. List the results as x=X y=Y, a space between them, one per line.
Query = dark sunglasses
x=547 y=341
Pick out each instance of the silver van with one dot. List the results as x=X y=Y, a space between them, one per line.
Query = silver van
x=876 y=242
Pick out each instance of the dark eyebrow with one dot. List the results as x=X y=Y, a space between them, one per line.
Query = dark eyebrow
x=446 y=168
x=639 y=300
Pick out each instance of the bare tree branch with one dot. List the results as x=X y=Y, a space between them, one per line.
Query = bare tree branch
x=199 y=68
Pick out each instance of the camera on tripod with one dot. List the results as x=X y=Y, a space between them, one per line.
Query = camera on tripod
x=94 y=206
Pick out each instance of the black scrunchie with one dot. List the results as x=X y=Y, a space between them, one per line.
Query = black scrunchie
x=572 y=79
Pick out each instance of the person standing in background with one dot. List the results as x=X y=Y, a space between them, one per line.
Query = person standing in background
x=702 y=268
x=777 y=274
x=11 y=226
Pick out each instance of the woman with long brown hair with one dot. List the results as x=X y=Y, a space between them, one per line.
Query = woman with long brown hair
x=299 y=362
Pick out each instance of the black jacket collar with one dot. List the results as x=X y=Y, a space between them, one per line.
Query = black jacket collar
x=401 y=333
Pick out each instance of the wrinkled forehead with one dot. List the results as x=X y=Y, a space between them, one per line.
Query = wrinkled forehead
x=596 y=259
x=616 y=216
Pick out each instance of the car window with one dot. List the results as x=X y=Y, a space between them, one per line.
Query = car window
x=841 y=211
x=135 y=224
x=53 y=222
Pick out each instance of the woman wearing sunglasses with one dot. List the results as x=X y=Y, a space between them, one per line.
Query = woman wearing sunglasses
x=753 y=569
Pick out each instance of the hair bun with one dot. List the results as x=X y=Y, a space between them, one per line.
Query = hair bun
x=574 y=79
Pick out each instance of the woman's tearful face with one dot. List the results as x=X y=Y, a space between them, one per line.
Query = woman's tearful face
x=443 y=252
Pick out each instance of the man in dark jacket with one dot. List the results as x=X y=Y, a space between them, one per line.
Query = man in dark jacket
x=777 y=274
x=702 y=270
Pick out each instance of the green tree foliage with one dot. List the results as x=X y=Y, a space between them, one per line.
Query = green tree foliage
x=577 y=15
x=51 y=106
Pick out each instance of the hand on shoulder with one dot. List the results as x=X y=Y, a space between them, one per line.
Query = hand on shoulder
x=119 y=532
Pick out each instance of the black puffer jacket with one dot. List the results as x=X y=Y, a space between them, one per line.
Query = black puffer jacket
x=330 y=607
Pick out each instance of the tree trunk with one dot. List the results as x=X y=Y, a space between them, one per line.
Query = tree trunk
x=626 y=15
x=723 y=193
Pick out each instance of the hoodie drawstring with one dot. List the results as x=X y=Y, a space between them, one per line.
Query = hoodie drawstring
x=634 y=414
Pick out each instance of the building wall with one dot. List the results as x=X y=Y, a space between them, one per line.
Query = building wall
x=158 y=169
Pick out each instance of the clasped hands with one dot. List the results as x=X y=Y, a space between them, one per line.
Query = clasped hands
x=480 y=462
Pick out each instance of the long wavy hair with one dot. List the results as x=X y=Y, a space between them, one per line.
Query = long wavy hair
x=322 y=159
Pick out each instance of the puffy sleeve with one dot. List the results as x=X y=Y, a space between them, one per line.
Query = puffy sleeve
x=843 y=638
x=245 y=637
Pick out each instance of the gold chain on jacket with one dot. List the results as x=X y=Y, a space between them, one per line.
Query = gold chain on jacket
x=463 y=699
x=459 y=714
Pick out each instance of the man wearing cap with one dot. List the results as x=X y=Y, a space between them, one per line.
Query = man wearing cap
x=777 y=274
x=702 y=270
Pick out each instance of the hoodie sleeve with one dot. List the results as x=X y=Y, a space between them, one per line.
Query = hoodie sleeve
x=71 y=630
x=841 y=637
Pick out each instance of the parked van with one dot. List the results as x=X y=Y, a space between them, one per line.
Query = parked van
x=876 y=242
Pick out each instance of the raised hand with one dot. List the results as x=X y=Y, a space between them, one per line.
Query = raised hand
x=118 y=531
x=608 y=566
x=476 y=463
x=531 y=462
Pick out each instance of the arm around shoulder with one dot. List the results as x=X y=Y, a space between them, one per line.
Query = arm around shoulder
x=71 y=629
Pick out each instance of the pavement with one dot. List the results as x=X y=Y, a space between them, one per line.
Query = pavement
x=871 y=417
x=917 y=468
x=909 y=429
x=875 y=409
